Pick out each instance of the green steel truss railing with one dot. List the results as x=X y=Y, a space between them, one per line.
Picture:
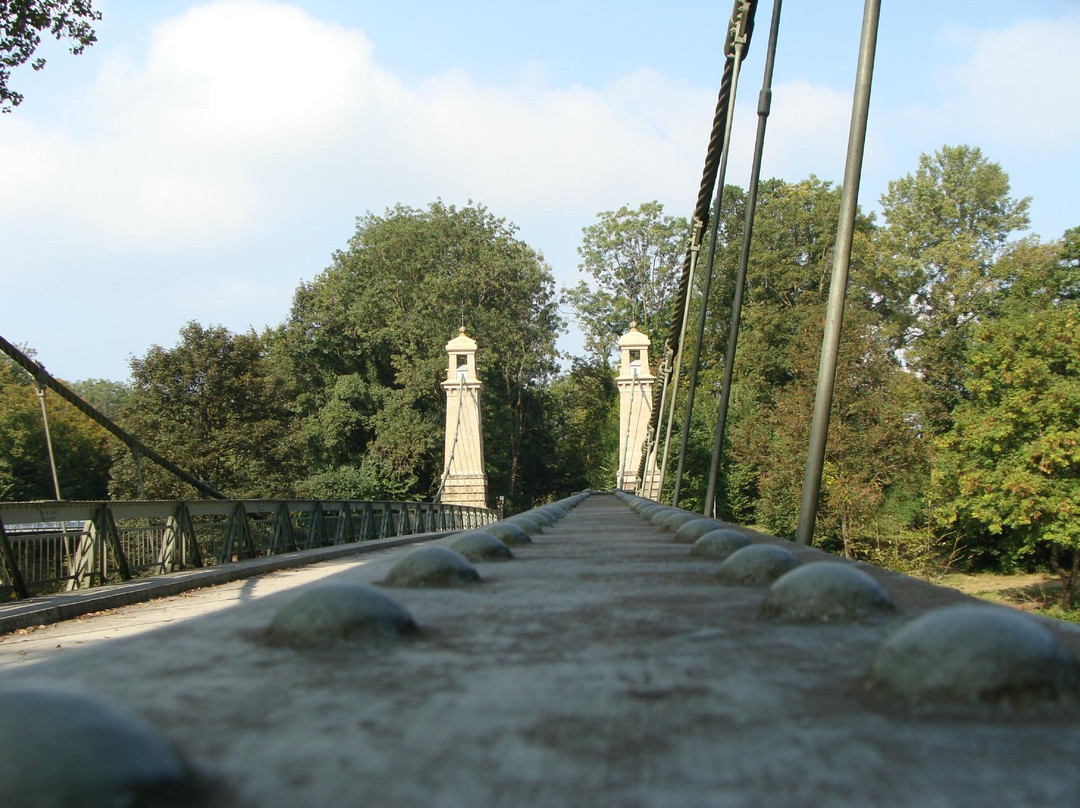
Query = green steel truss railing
x=51 y=546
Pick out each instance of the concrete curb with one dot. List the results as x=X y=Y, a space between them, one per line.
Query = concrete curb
x=41 y=611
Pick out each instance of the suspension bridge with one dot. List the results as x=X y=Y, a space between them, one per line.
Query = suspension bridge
x=602 y=650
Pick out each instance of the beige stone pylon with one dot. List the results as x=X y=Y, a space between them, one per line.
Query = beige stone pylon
x=464 y=478
x=635 y=383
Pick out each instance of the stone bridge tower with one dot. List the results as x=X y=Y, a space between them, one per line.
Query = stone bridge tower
x=635 y=383
x=464 y=478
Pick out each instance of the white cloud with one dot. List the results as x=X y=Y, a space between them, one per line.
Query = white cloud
x=807 y=132
x=180 y=147
x=189 y=182
x=1018 y=85
x=243 y=77
x=244 y=111
x=552 y=148
x=196 y=174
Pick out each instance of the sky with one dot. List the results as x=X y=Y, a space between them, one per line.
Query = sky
x=205 y=158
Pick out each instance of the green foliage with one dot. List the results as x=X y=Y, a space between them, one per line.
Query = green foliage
x=80 y=447
x=634 y=258
x=22 y=23
x=366 y=481
x=212 y=405
x=1070 y=253
x=946 y=226
x=582 y=415
x=872 y=451
x=787 y=281
x=1009 y=468
x=991 y=336
x=1059 y=612
x=873 y=446
x=107 y=397
x=365 y=348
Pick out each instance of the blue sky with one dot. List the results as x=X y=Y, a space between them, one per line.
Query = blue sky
x=203 y=159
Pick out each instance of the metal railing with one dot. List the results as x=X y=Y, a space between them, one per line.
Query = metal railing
x=48 y=547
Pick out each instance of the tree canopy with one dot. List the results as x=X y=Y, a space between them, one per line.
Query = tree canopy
x=365 y=344
x=946 y=226
x=80 y=447
x=871 y=449
x=949 y=320
x=211 y=405
x=1008 y=470
x=634 y=258
x=22 y=22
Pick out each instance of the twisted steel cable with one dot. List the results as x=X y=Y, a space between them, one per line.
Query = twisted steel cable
x=740 y=25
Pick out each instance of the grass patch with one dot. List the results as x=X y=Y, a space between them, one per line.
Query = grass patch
x=1037 y=593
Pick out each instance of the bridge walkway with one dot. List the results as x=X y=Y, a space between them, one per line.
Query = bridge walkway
x=602 y=666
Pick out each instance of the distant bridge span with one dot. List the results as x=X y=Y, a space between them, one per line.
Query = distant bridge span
x=49 y=546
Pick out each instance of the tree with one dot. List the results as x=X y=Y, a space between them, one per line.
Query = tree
x=787 y=285
x=873 y=455
x=21 y=25
x=946 y=226
x=788 y=279
x=1010 y=464
x=583 y=427
x=365 y=345
x=634 y=258
x=211 y=405
x=874 y=452
x=81 y=448
x=105 y=395
x=1070 y=253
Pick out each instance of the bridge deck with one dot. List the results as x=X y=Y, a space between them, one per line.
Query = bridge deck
x=601 y=667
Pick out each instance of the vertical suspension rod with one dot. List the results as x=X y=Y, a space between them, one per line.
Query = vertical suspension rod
x=677 y=371
x=453 y=445
x=48 y=440
x=834 y=315
x=764 y=107
x=620 y=480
